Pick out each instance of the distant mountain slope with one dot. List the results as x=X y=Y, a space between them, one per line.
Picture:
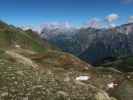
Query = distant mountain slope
x=94 y=45
x=107 y=44
x=114 y=42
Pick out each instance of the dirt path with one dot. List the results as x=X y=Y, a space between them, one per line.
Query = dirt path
x=22 y=59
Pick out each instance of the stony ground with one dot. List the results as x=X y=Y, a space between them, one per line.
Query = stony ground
x=53 y=76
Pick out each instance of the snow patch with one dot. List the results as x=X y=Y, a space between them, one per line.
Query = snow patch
x=17 y=46
x=111 y=85
x=82 y=78
x=4 y=94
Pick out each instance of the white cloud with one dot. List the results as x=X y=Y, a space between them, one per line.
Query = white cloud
x=130 y=19
x=26 y=27
x=127 y=1
x=54 y=25
x=111 y=18
x=33 y=28
x=93 y=23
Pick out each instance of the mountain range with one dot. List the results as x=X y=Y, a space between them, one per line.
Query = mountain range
x=93 y=45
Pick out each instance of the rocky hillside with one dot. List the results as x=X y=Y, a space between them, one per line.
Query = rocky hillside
x=32 y=71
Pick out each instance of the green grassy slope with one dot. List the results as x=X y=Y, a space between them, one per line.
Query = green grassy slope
x=10 y=37
x=124 y=64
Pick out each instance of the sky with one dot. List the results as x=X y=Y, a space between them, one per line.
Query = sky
x=77 y=12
